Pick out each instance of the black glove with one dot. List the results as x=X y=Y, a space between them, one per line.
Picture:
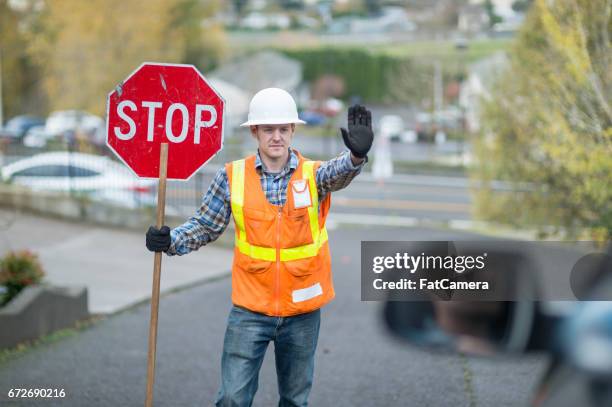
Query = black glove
x=359 y=136
x=158 y=240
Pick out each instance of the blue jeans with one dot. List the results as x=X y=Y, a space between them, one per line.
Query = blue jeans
x=246 y=340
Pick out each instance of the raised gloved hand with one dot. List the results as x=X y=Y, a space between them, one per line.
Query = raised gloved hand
x=158 y=240
x=359 y=136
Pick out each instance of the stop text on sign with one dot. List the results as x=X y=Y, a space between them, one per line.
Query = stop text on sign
x=205 y=116
x=165 y=103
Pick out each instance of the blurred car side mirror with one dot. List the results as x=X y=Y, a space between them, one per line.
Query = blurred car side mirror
x=471 y=326
x=478 y=327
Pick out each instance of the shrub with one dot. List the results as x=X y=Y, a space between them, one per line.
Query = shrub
x=19 y=269
x=366 y=74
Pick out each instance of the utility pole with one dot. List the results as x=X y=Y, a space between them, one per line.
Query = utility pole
x=2 y=145
x=437 y=91
x=439 y=136
x=1 y=106
x=462 y=47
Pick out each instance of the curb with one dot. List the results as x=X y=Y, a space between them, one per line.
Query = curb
x=40 y=310
x=485 y=228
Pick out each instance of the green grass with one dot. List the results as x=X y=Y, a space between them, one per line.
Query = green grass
x=440 y=49
x=445 y=49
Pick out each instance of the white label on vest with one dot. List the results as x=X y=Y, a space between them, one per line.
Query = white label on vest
x=301 y=193
x=307 y=293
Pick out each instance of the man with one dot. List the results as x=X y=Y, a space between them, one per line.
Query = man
x=281 y=273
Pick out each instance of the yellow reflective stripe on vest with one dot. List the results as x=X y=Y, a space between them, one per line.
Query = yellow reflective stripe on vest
x=237 y=198
x=313 y=210
x=237 y=203
x=319 y=237
x=302 y=252
x=256 y=252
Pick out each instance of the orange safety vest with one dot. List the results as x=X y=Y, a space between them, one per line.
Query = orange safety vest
x=282 y=264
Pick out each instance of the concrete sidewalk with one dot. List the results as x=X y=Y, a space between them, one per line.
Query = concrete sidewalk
x=113 y=264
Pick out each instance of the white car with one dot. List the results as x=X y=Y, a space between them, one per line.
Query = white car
x=36 y=137
x=391 y=127
x=71 y=120
x=409 y=136
x=94 y=176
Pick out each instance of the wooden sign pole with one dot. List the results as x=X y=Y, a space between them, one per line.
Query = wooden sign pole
x=161 y=205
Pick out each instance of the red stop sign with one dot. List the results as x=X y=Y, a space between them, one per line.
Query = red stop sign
x=165 y=103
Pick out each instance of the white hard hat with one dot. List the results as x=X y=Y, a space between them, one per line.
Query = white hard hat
x=272 y=106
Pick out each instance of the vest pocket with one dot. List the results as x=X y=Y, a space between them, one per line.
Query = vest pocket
x=302 y=267
x=260 y=227
x=250 y=265
x=258 y=266
x=296 y=229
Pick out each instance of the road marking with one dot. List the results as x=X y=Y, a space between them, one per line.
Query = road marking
x=395 y=188
x=335 y=219
x=401 y=204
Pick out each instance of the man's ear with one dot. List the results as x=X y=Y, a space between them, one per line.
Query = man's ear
x=253 y=131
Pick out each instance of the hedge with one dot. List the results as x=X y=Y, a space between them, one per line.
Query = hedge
x=375 y=77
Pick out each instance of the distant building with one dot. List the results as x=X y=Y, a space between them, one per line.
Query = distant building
x=255 y=21
x=478 y=85
x=503 y=8
x=511 y=20
x=391 y=19
x=236 y=101
x=261 y=70
x=260 y=21
x=510 y=24
x=473 y=18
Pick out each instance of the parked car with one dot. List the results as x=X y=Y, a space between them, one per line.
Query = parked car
x=408 y=136
x=17 y=127
x=36 y=137
x=96 y=177
x=392 y=127
x=62 y=121
x=255 y=21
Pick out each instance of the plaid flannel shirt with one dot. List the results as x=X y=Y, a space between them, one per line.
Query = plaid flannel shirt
x=213 y=216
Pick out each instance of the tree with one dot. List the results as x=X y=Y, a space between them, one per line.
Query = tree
x=202 y=37
x=373 y=7
x=493 y=17
x=291 y=4
x=521 y=6
x=239 y=6
x=548 y=126
x=19 y=75
x=85 y=48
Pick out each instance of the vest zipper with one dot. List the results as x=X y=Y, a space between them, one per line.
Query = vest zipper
x=278 y=233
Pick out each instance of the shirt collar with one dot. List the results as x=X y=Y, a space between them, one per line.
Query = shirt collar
x=293 y=161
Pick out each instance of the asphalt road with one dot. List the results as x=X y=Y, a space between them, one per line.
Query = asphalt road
x=357 y=363
x=417 y=197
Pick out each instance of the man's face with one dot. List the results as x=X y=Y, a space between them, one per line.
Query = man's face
x=273 y=139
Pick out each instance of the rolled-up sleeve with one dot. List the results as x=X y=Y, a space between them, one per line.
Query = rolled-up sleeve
x=336 y=173
x=209 y=222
